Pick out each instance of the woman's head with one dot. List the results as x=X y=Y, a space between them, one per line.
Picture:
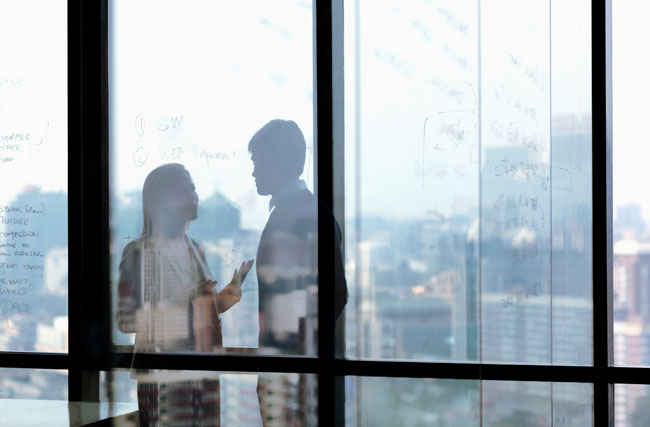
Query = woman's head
x=169 y=200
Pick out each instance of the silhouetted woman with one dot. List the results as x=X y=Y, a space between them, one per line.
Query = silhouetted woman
x=166 y=297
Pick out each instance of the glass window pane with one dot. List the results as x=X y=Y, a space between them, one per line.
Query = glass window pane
x=33 y=384
x=215 y=398
x=33 y=176
x=371 y=401
x=510 y=403
x=631 y=204
x=468 y=190
x=201 y=98
x=631 y=405
x=573 y=404
x=419 y=402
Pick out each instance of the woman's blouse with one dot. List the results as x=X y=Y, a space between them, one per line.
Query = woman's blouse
x=158 y=283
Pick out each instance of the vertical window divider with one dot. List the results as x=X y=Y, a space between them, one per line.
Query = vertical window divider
x=104 y=313
x=89 y=239
x=74 y=198
x=602 y=210
x=328 y=413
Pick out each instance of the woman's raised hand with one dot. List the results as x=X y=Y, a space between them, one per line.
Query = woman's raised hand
x=231 y=294
x=240 y=275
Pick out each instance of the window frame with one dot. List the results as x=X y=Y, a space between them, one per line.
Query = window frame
x=89 y=235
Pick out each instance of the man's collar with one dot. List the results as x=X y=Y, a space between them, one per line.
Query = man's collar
x=285 y=191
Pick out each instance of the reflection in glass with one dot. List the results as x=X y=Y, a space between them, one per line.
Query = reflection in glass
x=228 y=399
x=468 y=181
x=419 y=402
x=510 y=403
x=411 y=402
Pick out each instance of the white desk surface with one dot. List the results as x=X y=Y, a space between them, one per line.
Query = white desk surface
x=41 y=413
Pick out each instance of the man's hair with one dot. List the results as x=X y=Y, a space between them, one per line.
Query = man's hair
x=284 y=140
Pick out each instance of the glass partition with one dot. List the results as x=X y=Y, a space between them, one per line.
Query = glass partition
x=206 y=122
x=468 y=181
x=419 y=402
x=34 y=177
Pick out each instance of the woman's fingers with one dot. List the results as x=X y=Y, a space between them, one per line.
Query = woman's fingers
x=239 y=275
x=244 y=269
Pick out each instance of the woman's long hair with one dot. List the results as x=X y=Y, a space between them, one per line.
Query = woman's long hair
x=152 y=190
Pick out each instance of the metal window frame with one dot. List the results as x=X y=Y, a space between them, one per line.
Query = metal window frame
x=90 y=348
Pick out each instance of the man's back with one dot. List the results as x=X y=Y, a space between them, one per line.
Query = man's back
x=287 y=269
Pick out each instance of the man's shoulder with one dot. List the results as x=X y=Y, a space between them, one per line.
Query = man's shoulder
x=303 y=203
x=298 y=204
x=304 y=195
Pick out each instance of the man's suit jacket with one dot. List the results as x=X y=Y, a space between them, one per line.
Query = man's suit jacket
x=287 y=264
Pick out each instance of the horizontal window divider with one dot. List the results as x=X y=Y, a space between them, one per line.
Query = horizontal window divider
x=216 y=362
x=32 y=360
x=470 y=371
x=408 y=369
x=342 y=367
x=384 y=368
x=628 y=375
x=480 y=371
x=495 y=372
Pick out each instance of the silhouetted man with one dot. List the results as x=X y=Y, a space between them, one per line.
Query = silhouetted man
x=287 y=257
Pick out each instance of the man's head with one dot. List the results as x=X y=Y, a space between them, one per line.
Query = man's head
x=278 y=154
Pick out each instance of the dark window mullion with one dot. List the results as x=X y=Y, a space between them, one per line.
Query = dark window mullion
x=88 y=288
x=215 y=362
x=493 y=371
x=325 y=190
x=602 y=209
x=74 y=204
x=35 y=360
x=372 y=368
